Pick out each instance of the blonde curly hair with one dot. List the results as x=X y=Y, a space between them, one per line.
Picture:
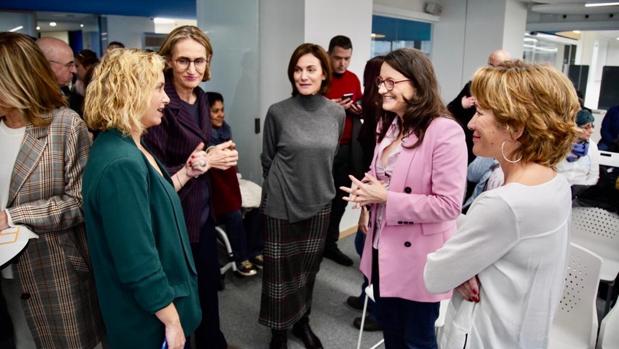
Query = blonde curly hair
x=538 y=99
x=120 y=90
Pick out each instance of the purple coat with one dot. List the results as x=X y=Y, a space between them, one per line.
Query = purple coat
x=172 y=142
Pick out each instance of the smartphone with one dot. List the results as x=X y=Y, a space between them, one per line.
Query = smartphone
x=347 y=96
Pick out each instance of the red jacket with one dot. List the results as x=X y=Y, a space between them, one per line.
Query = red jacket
x=226 y=191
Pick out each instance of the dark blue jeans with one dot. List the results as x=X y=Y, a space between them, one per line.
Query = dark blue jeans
x=407 y=324
x=244 y=237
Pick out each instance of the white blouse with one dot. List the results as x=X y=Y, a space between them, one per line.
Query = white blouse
x=10 y=143
x=515 y=239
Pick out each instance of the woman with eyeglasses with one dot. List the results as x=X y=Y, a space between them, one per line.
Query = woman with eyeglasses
x=184 y=128
x=413 y=193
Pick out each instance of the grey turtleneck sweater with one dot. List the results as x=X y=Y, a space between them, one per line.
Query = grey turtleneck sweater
x=300 y=139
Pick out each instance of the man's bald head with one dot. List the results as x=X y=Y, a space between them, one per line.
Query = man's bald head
x=499 y=56
x=60 y=57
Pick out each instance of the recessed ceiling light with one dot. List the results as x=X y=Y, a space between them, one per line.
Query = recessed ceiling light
x=600 y=4
x=161 y=20
x=52 y=24
x=38 y=28
x=81 y=26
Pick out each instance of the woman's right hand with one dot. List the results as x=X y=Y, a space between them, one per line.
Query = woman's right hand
x=174 y=336
x=222 y=156
x=364 y=219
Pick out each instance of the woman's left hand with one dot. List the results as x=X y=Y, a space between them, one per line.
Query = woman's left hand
x=196 y=163
x=368 y=191
x=469 y=289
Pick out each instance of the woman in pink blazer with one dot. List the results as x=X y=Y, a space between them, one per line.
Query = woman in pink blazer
x=411 y=197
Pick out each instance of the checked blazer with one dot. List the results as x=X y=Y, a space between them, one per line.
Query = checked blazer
x=58 y=294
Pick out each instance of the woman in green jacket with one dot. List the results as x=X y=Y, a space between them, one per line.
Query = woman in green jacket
x=143 y=267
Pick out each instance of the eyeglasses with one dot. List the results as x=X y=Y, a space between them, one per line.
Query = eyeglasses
x=66 y=65
x=389 y=83
x=198 y=63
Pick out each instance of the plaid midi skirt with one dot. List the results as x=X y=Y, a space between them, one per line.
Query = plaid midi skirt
x=292 y=256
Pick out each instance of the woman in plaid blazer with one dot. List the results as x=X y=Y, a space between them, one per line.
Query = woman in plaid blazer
x=52 y=287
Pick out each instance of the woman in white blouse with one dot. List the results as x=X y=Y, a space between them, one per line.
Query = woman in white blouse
x=509 y=254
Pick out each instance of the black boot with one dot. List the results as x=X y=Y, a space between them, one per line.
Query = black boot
x=279 y=339
x=303 y=331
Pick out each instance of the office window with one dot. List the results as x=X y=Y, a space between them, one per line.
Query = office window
x=389 y=34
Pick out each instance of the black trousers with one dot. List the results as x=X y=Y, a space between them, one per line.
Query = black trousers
x=208 y=334
x=342 y=167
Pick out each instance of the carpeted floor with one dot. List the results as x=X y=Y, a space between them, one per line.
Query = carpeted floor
x=331 y=318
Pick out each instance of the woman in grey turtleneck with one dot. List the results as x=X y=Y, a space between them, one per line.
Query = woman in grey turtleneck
x=301 y=135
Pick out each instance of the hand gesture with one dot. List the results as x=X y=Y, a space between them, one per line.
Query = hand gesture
x=469 y=290
x=197 y=163
x=223 y=156
x=468 y=102
x=366 y=192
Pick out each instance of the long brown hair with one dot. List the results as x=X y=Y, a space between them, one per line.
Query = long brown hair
x=27 y=83
x=370 y=103
x=426 y=103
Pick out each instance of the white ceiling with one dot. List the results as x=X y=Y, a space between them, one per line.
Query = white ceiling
x=570 y=7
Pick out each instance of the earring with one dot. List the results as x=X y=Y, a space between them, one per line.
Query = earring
x=505 y=157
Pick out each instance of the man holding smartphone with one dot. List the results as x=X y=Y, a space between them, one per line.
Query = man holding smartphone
x=345 y=89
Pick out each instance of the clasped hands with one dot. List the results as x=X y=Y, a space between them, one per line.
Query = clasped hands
x=366 y=191
x=222 y=157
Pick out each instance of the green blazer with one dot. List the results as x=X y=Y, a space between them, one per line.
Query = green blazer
x=138 y=244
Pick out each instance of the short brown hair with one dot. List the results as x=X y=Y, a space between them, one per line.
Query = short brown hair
x=187 y=32
x=426 y=104
x=316 y=51
x=27 y=83
x=120 y=90
x=538 y=99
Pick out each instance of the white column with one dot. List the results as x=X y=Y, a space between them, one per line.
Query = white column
x=467 y=32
